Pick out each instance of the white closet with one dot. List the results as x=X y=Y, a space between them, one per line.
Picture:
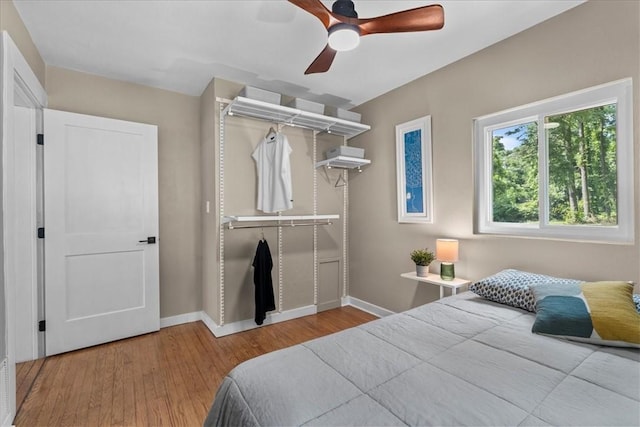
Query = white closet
x=285 y=116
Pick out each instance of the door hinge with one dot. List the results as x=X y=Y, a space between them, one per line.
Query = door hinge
x=42 y=325
x=40 y=139
x=41 y=233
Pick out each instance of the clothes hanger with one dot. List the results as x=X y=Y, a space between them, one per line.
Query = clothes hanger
x=271 y=134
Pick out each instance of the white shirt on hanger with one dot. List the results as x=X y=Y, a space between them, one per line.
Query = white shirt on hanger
x=275 y=192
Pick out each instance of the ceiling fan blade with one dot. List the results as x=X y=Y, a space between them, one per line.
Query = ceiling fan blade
x=323 y=62
x=317 y=9
x=419 y=19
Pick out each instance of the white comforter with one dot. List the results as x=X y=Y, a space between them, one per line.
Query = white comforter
x=459 y=361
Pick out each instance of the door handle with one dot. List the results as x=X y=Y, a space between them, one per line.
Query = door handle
x=150 y=240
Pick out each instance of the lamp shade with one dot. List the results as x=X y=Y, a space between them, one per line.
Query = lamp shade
x=344 y=37
x=447 y=250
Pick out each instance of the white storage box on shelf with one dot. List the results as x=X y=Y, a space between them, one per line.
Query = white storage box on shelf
x=344 y=150
x=260 y=95
x=341 y=113
x=305 y=105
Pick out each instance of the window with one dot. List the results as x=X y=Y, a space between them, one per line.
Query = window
x=559 y=168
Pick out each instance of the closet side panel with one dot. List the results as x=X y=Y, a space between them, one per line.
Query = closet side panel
x=209 y=134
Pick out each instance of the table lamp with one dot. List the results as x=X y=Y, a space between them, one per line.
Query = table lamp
x=447 y=254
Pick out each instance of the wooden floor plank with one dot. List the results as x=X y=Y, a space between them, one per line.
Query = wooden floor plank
x=31 y=411
x=137 y=370
x=81 y=370
x=128 y=388
x=26 y=373
x=165 y=378
x=55 y=387
x=117 y=396
x=83 y=401
x=94 y=390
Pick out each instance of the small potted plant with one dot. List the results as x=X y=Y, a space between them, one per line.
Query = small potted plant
x=422 y=258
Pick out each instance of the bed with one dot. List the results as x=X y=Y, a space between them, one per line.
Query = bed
x=462 y=360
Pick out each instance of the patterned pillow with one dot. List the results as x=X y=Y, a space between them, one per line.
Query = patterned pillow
x=636 y=299
x=600 y=313
x=511 y=287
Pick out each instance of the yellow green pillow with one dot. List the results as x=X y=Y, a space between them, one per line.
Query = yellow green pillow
x=598 y=312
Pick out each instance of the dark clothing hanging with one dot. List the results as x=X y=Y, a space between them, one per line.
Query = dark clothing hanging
x=263 y=264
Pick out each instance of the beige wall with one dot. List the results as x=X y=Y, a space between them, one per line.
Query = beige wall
x=241 y=136
x=178 y=119
x=594 y=43
x=11 y=22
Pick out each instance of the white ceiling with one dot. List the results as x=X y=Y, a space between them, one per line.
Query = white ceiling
x=181 y=45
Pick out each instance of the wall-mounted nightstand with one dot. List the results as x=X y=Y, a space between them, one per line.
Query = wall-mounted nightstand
x=434 y=279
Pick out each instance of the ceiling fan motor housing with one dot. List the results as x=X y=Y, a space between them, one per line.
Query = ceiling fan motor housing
x=344 y=8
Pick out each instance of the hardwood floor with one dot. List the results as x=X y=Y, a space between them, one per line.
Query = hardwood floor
x=166 y=378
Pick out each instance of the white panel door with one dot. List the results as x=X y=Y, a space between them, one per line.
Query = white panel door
x=101 y=206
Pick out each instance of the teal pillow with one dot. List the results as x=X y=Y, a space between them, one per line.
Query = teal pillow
x=602 y=313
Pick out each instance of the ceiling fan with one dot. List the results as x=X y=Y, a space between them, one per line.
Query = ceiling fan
x=345 y=28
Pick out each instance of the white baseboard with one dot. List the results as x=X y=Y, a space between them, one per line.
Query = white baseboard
x=6 y=416
x=208 y=321
x=234 y=327
x=366 y=306
x=165 y=322
x=245 y=325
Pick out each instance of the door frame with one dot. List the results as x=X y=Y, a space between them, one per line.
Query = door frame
x=17 y=78
x=21 y=197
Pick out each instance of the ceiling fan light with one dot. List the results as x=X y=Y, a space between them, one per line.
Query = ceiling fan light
x=344 y=37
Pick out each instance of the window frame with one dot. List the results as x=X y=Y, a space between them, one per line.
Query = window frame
x=619 y=92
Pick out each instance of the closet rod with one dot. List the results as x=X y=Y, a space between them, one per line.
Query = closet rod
x=233 y=227
x=279 y=218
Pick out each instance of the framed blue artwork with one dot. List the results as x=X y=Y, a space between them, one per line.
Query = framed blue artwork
x=414 y=170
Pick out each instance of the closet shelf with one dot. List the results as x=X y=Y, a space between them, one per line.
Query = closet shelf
x=248 y=107
x=271 y=218
x=343 y=162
